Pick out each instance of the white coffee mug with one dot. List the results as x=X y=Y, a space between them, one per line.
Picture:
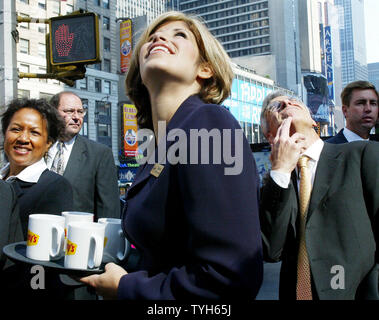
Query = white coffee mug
x=116 y=246
x=76 y=216
x=85 y=244
x=45 y=240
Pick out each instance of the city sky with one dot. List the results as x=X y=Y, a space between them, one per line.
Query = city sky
x=372 y=30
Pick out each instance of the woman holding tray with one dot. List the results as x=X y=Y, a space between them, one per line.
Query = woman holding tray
x=191 y=213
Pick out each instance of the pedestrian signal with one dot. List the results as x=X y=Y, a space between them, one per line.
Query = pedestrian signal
x=74 y=39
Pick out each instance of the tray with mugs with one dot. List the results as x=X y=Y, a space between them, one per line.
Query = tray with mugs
x=71 y=243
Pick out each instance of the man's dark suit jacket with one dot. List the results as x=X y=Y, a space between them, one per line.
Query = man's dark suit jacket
x=93 y=176
x=10 y=228
x=341 y=227
x=338 y=138
x=196 y=229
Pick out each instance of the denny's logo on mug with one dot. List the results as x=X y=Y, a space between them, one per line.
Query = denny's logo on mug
x=71 y=248
x=45 y=237
x=32 y=238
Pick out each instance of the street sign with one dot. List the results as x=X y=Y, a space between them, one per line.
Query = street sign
x=74 y=39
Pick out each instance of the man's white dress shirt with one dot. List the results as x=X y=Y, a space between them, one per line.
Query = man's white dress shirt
x=313 y=152
x=67 y=148
x=352 y=136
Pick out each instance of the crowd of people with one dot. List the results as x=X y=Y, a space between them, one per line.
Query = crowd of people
x=198 y=232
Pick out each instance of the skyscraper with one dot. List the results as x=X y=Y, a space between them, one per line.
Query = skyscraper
x=352 y=38
x=260 y=35
x=373 y=74
x=135 y=8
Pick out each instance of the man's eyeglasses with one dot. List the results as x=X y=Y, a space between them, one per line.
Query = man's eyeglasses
x=70 y=112
x=276 y=106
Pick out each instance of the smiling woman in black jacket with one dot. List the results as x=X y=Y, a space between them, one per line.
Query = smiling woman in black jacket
x=30 y=127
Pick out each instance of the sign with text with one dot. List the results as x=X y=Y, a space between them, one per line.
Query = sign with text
x=329 y=62
x=125 y=44
x=130 y=130
x=246 y=99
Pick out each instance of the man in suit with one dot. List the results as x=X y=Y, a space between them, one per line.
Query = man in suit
x=89 y=166
x=360 y=108
x=326 y=240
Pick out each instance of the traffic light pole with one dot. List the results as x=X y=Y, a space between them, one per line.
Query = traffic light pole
x=66 y=71
x=8 y=62
x=66 y=74
x=32 y=20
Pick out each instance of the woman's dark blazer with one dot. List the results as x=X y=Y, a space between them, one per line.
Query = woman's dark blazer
x=10 y=228
x=196 y=229
x=52 y=194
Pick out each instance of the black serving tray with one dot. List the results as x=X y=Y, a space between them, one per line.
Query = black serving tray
x=17 y=253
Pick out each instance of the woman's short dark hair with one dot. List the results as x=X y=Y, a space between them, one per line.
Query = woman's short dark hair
x=54 y=123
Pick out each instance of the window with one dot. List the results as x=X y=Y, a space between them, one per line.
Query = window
x=24 y=68
x=104 y=130
x=24 y=25
x=107 y=87
x=24 y=46
x=106 y=4
x=41 y=50
x=83 y=84
x=84 y=129
x=44 y=95
x=43 y=71
x=42 y=4
x=97 y=85
x=107 y=44
x=56 y=7
x=97 y=66
x=25 y=1
x=106 y=23
x=42 y=28
x=69 y=8
x=103 y=109
x=107 y=65
x=23 y=94
x=96 y=2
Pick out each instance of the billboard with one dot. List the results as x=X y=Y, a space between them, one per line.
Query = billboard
x=125 y=44
x=245 y=101
x=329 y=62
x=317 y=96
x=130 y=130
x=127 y=173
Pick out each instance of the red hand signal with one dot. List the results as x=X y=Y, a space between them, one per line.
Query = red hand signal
x=63 y=40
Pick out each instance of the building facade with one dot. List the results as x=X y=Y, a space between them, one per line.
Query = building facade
x=99 y=89
x=259 y=35
x=245 y=102
x=373 y=74
x=352 y=38
x=136 y=8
